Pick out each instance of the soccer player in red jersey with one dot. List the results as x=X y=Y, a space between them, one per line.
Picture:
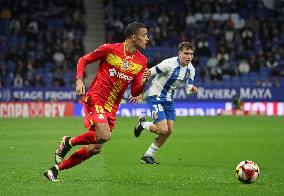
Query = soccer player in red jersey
x=120 y=65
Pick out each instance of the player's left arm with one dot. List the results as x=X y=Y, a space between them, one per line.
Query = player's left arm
x=138 y=84
x=190 y=87
x=139 y=81
x=145 y=77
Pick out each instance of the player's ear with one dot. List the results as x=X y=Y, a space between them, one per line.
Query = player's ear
x=133 y=37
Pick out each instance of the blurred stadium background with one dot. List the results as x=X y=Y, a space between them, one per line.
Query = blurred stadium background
x=239 y=50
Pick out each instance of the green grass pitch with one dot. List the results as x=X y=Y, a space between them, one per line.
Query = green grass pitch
x=199 y=158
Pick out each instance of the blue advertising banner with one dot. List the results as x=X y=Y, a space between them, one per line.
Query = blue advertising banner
x=246 y=93
x=204 y=94
x=37 y=94
x=182 y=109
x=226 y=94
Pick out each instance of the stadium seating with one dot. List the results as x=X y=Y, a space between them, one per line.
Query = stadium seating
x=211 y=20
x=37 y=35
x=32 y=31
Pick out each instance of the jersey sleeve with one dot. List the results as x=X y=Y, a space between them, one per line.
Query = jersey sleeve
x=136 y=85
x=99 y=54
x=160 y=68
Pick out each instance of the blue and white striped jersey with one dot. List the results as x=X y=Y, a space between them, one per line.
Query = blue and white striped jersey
x=169 y=74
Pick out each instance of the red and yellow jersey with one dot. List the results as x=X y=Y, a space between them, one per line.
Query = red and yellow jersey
x=117 y=70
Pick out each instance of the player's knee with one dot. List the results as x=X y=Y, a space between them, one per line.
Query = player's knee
x=163 y=130
x=169 y=131
x=103 y=134
x=94 y=149
x=103 y=138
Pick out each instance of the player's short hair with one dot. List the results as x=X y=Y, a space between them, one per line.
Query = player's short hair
x=186 y=45
x=133 y=28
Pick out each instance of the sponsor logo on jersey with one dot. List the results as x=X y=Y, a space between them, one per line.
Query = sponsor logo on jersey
x=113 y=72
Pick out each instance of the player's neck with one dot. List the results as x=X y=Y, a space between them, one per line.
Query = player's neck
x=183 y=64
x=130 y=47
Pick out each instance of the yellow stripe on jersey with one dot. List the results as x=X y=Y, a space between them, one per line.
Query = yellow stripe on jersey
x=113 y=95
x=86 y=99
x=116 y=61
x=91 y=121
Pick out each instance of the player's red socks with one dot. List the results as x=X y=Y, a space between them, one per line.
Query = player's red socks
x=88 y=137
x=78 y=157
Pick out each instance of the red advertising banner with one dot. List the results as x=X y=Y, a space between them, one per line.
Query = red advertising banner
x=266 y=108
x=35 y=109
x=60 y=109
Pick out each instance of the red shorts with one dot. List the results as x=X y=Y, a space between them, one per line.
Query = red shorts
x=95 y=113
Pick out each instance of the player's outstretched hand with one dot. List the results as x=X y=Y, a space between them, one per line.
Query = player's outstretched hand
x=80 y=87
x=146 y=75
x=194 y=89
x=135 y=99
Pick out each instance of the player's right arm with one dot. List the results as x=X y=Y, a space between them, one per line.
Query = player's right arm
x=80 y=87
x=99 y=54
x=157 y=69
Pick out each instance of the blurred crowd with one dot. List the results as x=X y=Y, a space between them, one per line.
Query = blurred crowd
x=40 y=42
x=237 y=41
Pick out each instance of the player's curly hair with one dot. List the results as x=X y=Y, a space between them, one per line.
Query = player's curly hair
x=133 y=28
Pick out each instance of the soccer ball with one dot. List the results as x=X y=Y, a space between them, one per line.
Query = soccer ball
x=247 y=171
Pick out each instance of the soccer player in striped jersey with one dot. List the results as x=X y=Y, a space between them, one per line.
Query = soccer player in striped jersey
x=168 y=75
x=121 y=64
